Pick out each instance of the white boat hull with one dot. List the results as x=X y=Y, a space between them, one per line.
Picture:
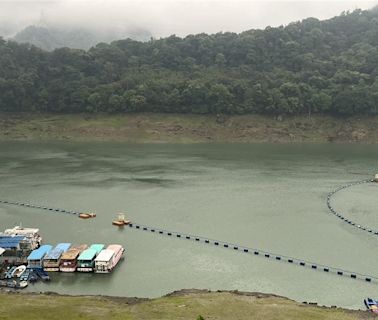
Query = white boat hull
x=51 y=269
x=84 y=269
x=66 y=269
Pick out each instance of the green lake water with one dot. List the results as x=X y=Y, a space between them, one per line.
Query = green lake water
x=265 y=196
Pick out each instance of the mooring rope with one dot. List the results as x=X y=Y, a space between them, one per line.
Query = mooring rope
x=256 y=252
x=29 y=205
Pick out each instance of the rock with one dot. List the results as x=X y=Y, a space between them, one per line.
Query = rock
x=358 y=135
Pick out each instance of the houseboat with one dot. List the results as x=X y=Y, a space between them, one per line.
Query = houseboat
x=86 y=260
x=35 y=258
x=108 y=258
x=68 y=260
x=32 y=234
x=51 y=260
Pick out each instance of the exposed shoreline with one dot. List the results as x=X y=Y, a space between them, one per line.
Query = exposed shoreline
x=182 y=128
x=182 y=304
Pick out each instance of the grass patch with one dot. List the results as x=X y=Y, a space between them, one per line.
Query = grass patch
x=189 y=305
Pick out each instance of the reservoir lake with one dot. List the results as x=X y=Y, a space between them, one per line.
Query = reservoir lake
x=265 y=196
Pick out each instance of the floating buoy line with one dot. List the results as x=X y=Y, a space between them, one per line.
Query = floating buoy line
x=237 y=247
x=341 y=215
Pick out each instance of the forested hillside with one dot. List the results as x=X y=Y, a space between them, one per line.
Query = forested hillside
x=306 y=67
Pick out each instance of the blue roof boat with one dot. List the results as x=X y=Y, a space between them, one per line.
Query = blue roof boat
x=57 y=251
x=51 y=260
x=36 y=256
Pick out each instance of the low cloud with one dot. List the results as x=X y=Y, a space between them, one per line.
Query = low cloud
x=165 y=17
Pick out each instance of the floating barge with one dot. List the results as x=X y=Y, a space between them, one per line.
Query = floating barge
x=86 y=260
x=120 y=220
x=69 y=258
x=108 y=258
x=51 y=260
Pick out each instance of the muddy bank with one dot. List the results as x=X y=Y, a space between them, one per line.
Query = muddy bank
x=170 y=128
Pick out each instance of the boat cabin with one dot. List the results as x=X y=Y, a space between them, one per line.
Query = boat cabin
x=51 y=261
x=86 y=260
x=68 y=261
x=35 y=258
x=108 y=258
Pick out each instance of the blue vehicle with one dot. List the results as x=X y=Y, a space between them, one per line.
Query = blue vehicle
x=9 y=273
x=32 y=277
x=25 y=276
x=372 y=305
x=42 y=274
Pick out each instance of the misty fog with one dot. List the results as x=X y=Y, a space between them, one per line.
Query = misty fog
x=164 y=17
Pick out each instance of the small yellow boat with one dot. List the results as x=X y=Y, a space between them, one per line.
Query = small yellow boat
x=87 y=215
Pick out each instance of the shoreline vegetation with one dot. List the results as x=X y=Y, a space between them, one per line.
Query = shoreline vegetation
x=184 y=304
x=188 y=128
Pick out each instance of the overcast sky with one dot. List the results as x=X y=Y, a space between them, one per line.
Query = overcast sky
x=165 y=17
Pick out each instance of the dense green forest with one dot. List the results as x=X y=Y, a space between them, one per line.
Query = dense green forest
x=305 y=67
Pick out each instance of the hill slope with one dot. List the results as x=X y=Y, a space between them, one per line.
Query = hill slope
x=306 y=67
